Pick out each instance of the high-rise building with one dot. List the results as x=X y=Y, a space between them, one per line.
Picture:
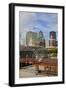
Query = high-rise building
x=41 y=39
x=31 y=38
x=35 y=39
x=52 y=41
x=41 y=36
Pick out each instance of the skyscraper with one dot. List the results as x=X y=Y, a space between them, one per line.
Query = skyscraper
x=41 y=36
x=41 y=39
x=52 y=41
x=31 y=38
x=35 y=39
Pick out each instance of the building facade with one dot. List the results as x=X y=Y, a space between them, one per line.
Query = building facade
x=35 y=39
x=52 y=41
x=41 y=39
x=31 y=38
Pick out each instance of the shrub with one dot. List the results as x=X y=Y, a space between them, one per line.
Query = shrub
x=53 y=51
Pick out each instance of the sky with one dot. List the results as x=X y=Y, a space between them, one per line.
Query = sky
x=37 y=21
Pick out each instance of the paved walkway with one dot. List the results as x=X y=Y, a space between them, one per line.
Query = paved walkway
x=30 y=71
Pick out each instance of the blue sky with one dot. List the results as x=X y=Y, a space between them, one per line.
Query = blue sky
x=36 y=21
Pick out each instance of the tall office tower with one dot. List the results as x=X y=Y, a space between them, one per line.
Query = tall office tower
x=52 y=41
x=41 y=39
x=31 y=38
x=41 y=36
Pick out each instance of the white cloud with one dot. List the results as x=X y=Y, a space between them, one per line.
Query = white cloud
x=42 y=21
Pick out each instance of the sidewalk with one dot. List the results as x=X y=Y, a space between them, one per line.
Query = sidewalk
x=30 y=71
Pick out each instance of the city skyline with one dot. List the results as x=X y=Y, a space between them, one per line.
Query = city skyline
x=35 y=21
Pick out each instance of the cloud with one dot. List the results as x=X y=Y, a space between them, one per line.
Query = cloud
x=34 y=21
x=26 y=20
